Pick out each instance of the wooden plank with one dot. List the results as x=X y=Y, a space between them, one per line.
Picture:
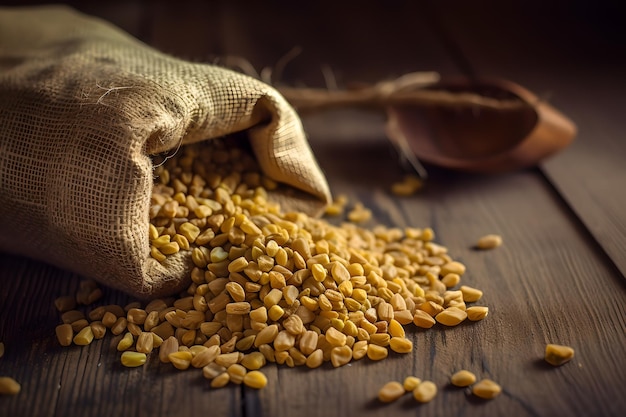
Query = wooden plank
x=572 y=56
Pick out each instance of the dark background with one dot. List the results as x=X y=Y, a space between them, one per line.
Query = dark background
x=365 y=41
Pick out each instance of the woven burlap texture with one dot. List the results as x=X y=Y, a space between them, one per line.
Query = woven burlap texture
x=83 y=105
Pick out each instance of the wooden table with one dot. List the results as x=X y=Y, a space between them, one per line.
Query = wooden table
x=558 y=278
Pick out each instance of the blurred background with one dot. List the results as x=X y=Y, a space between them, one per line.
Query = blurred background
x=329 y=42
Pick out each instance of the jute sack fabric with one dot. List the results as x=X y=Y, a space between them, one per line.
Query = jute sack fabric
x=83 y=105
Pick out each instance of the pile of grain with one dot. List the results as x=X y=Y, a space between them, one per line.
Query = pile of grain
x=269 y=285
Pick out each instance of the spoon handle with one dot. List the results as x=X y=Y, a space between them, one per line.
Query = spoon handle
x=380 y=95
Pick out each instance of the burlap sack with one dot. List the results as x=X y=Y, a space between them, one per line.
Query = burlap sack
x=82 y=106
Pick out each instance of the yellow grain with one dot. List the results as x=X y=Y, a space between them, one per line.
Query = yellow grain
x=486 y=389
x=401 y=345
x=238 y=308
x=267 y=335
x=236 y=373
x=335 y=337
x=255 y=379
x=98 y=329
x=84 y=337
x=423 y=319
x=79 y=325
x=136 y=316
x=315 y=359
x=377 y=353
x=410 y=383
x=425 y=391
x=451 y=280
x=221 y=380
x=462 y=378
x=359 y=213
x=145 y=342
x=65 y=334
x=9 y=386
x=227 y=359
x=471 y=294
x=109 y=319
x=133 y=359
x=212 y=370
x=453 y=267
x=126 y=342
x=390 y=392
x=451 y=316
x=476 y=313
x=490 y=241
x=409 y=185
x=205 y=357
x=284 y=340
x=340 y=355
x=275 y=312
x=181 y=359
x=169 y=346
x=557 y=355
x=71 y=316
x=395 y=329
x=253 y=361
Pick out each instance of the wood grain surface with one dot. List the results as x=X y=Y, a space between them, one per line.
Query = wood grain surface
x=558 y=278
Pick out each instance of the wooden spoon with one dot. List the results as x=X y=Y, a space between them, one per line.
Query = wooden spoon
x=485 y=126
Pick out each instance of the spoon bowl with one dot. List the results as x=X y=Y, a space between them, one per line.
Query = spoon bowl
x=481 y=139
x=473 y=125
